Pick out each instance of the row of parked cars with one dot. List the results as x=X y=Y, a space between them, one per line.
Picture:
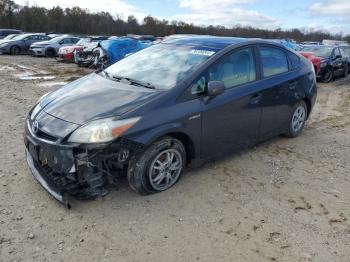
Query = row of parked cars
x=89 y=51
x=101 y=51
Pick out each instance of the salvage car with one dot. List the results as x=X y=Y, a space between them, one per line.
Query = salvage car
x=50 y=48
x=334 y=61
x=179 y=103
x=316 y=61
x=21 y=44
x=66 y=53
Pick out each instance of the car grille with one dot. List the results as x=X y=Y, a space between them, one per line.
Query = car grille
x=46 y=136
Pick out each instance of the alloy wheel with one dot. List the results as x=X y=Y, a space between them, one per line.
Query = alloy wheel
x=298 y=119
x=165 y=169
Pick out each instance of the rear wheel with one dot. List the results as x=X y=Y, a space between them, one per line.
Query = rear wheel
x=298 y=120
x=15 y=50
x=158 y=168
x=327 y=75
x=50 y=53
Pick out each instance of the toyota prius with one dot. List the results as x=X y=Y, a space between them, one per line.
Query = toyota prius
x=176 y=104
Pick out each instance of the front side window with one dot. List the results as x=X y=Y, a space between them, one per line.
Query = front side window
x=274 y=61
x=236 y=69
x=233 y=70
x=336 y=52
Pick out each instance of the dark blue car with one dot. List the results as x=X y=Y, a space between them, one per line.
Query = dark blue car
x=175 y=104
x=334 y=61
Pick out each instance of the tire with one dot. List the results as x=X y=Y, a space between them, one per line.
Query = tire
x=147 y=176
x=327 y=76
x=346 y=71
x=297 y=120
x=15 y=50
x=50 y=53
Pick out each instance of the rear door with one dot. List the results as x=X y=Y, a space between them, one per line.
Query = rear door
x=278 y=82
x=231 y=120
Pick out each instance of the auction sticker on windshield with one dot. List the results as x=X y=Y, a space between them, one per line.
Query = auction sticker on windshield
x=201 y=52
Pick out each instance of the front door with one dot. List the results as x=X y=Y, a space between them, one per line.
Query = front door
x=231 y=120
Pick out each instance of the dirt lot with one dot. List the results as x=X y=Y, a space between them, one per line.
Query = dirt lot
x=284 y=200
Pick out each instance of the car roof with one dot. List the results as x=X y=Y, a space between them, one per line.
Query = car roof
x=214 y=42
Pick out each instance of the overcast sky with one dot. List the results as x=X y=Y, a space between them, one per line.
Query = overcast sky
x=331 y=15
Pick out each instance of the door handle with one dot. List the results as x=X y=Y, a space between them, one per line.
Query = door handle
x=292 y=85
x=255 y=99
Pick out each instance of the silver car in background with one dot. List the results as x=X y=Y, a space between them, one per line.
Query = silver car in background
x=50 y=48
x=21 y=43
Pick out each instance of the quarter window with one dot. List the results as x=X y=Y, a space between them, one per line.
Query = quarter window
x=294 y=60
x=274 y=61
x=235 y=69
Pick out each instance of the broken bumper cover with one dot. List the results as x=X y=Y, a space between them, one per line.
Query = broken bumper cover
x=83 y=171
x=45 y=181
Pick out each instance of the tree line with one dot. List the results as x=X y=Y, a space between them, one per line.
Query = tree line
x=77 y=20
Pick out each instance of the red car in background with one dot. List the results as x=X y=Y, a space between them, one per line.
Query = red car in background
x=316 y=61
x=66 y=53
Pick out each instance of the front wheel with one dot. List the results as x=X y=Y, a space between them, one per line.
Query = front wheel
x=327 y=75
x=158 y=168
x=298 y=120
x=15 y=50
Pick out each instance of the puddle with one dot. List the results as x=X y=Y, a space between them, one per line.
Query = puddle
x=23 y=67
x=4 y=68
x=52 y=84
x=34 y=76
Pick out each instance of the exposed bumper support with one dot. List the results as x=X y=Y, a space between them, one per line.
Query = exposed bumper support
x=45 y=181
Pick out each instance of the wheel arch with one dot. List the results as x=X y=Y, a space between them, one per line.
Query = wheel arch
x=308 y=105
x=187 y=143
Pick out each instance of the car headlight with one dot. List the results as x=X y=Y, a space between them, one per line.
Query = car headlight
x=3 y=44
x=323 y=64
x=102 y=130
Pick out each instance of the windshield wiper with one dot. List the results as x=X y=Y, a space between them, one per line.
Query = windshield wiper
x=135 y=82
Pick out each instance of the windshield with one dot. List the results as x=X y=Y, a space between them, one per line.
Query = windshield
x=320 y=51
x=9 y=37
x=20 y=37
x=83 y=41
x=161 y=65
x=55 y=40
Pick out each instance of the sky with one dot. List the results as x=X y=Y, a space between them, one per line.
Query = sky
x=329 y=15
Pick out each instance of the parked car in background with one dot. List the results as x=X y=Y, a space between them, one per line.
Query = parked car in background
x=111 y=51
x=311 y=43
x=21 y=43
x=175 y=104
x=334 y=61
x=316 y=61
x=6 y=32
x=66 y=53
x=50 y=48
x=9 y=37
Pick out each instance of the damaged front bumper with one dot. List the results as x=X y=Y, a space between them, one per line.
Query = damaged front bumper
x=84 y=171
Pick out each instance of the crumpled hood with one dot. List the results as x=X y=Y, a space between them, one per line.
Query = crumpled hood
x=94 y=96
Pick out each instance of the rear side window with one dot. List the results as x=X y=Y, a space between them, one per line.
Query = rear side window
x=274 y=61
x=294 y=60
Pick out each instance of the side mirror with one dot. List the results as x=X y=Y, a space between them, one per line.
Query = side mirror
x=215 y=88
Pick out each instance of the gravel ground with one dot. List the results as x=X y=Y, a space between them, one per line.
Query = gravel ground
x=283 y=200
